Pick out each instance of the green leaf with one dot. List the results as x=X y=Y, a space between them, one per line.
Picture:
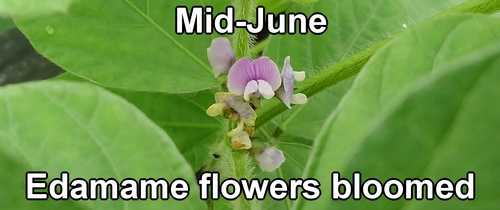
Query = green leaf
x=59 y=126
x=274 y=6
x=126 y=44
x=305 y=1
x=32 y=8
x=420 y=52
x=443 y=127
x=182 y=116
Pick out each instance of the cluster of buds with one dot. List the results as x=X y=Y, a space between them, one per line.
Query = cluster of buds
x=248 y=81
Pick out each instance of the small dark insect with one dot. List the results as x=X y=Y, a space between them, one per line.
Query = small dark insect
x=253 y=106
x=216 y=155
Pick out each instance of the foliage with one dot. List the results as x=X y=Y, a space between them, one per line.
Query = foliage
x=397 y=89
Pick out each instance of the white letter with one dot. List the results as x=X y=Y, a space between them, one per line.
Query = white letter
x=179 y=193
x=255 y=189
x=322 y=23
x=63 y=182
x=278 y=193
x=419 y=188
x=281 y=24
x=80 y=186
x=31 y=186
x=182 y=19
x=302 y=23
x=154 y=188
x=204 y=182
x=311 y=185
x=366 y=189
x=444 y=189
x=356 y=176
x=259 y=23
x=470 y=187
x=294 y=184
x=103 y=184
x=229 y=17
x=129 y=190
x=399 y=189
x=225 y=191
x=336 y=187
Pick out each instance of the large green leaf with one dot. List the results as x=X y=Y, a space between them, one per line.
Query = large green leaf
x=83 y=129
x=443 y=127
x=419 y=52
x=182 y=116
x=126 y=44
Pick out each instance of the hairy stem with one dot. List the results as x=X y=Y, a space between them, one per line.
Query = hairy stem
x=349 y=67
x=239 y=160
x=245 y=10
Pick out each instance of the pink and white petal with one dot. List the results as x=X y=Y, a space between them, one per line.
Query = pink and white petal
x=220 y=55
x=299 y=76
x=239 y=75
x=265 y=89
x=280 y=93
x=298 y=98
x=251 y=88
x=266 y=69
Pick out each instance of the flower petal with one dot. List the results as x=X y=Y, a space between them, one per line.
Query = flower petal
x=265 y=69
x=241 y=141
x=251 y=88
x=270 y=159
x=220 y=55
x=299 y=76
x=239 y=75
x=215 y=109
x=286 y=91
x=243 y=109
x=299 y=98
x=237 y=130
x=265 y=89
x=280 y=93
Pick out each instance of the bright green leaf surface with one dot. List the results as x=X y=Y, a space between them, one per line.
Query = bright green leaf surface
x=126 y=44
x=33 y=8
x=419 y=52
x=443 y=128
x=182 y=116
x=88 y=132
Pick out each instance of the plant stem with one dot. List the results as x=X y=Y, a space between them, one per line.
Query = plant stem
x=349 y=67
x=238 y=169
x=245 y=10
x=239 y=160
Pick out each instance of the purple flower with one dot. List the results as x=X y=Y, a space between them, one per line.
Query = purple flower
x=220 y=55
x=285 y=92
x=258 y=77
x=270 y=159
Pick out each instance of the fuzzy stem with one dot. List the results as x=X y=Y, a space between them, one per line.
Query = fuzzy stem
x=239 y=159
x=245 y=10
x=240 y=169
